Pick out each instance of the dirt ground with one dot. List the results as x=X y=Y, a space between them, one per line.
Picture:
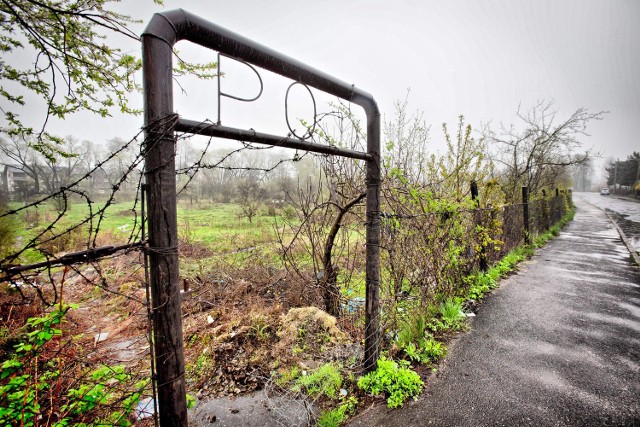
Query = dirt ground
x=240 y=330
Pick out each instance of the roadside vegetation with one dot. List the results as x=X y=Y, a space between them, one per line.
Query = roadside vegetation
x=271 y=244
x=266 y=305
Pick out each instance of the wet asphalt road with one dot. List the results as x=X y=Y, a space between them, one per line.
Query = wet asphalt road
x=558 y=344
x=625 y=212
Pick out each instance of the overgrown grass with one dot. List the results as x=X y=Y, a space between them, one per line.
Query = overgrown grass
x=336 y=416
x=221 y=228
x=217 y=227
x=326 y=380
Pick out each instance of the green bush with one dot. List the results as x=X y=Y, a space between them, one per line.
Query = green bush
x=398 y=382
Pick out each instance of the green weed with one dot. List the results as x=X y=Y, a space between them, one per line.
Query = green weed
x=428 y=350
x=413 y=330
x=286 y=376
x=260 y=328
x=336 y=416
x=398 y=382
x=28 y=377
x=452 y=315
x=326 y=380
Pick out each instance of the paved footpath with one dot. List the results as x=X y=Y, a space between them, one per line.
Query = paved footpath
x=558 y=344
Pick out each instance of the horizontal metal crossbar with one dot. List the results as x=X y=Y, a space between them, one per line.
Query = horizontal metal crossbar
x=174 y=25
x=211 y=129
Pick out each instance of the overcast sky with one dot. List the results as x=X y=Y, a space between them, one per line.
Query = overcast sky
x=477 y=58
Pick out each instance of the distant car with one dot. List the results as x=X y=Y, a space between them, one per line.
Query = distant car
x=604 y=192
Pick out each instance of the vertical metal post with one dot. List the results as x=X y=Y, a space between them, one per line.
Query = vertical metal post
x=372 y=320
x=145 y=258
x=525 y=214
x=163 y=225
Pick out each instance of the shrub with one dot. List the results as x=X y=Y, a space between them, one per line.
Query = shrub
x=398 y=382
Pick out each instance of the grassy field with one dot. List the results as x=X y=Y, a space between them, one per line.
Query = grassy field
x=213 y=237
x=220 y=228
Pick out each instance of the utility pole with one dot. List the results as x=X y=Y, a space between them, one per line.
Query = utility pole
x=637 y=186
x=615 y=176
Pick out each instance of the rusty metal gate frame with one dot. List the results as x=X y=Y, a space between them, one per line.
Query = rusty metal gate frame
x=162 y=33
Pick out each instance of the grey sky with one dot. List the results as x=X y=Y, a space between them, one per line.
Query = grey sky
x=477 y=58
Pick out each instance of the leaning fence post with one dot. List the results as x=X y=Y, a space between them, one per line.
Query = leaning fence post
x=525 y=214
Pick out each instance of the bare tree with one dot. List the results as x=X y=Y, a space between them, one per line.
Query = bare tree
x=47 y=174
x=540 y=153
x=250 y=195
x=325 y=207
x=58 y=170
x=16 y=152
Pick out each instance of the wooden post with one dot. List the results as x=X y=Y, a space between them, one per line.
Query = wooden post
x=478 y=220
x=525 y=215
x=474 y=193
x=160 y=174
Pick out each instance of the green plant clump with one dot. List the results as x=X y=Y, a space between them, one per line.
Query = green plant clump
x=27 y=378
x=326 y=380
x=336 y=416
x=452 y=315
x=428 y=350
x=398 y=381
